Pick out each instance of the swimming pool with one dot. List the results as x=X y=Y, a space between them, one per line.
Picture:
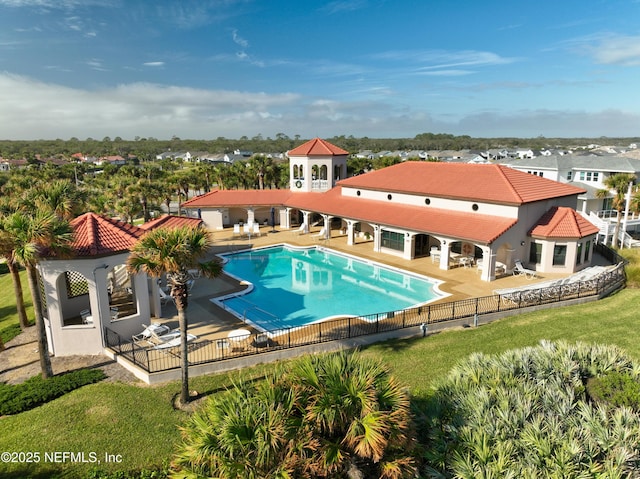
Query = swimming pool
x=292 y=287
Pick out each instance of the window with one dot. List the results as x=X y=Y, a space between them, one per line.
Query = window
x=595 y=176
x=393 y=240
x=535 y=253
x=582 y=175
x=579 y=253
x=559 y=254
x=569 y=175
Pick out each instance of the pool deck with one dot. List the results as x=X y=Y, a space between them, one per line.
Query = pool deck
x=208 y=321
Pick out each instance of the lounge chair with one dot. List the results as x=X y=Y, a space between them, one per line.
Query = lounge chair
x=256 y=229
x=519 y=269
x=247 y=229
x=236 y=229
x=154 y=329
x=321 y=233
x=172 y=340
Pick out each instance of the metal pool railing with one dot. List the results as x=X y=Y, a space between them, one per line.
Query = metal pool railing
x=154 y=360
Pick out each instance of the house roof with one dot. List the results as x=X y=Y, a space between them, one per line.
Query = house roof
x=240 y=198
x=472 y=182
x=470 y=226
x=317 y=147
x=609 y=163
x=171 y=221
x=562 y=222
x=96 y=235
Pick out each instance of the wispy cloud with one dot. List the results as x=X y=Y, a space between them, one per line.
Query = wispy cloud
x=97 y=65
x=153 y=64
x=238 y=40
x=617 y=50
x=58 y=4
x=340 y=6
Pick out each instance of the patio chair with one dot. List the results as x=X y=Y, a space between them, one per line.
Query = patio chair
x=247 y=229
x=321 y=233
x=236 y=229
x=154 y=329
x=172 y=340
x=256 y=229
x=519 y=269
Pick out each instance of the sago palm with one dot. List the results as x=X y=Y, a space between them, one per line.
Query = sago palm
x=173 y=252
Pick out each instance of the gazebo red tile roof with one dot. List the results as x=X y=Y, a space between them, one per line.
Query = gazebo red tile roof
x=562 y=222
x=171 y=221
x=317 y=147
x=96 y=235
x=486 y=183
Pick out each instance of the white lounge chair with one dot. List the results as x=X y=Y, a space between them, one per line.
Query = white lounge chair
x=321 y=233
x=256 y=229
x=154 y=329
x=172 y=339
x=519 y=269
x=236 y=229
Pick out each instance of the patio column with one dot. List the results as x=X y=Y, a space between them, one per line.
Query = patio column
x=488 y=266
x=350 y=225
x=377 y=238
x=285 y=218
x=305 y=221
x=250 y=216
x=327 y=226
x=444 y=254
x=408 y=252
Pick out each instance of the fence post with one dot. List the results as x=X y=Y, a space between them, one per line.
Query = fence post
x=349 y=327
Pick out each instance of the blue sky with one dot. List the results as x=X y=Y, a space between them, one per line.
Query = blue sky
x=376 y=68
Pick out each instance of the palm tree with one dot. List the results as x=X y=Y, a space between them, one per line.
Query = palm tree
x=35 y=236
x=173 y=252
x=619 y=184
x=7 y=250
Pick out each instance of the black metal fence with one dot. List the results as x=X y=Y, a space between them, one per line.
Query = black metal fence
x=152 y=358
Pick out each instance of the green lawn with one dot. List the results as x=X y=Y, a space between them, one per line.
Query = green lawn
x=139 y=426
x=9 y=325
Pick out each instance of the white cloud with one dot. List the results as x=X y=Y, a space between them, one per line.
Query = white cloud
x=153 y=64
x=32 y=110
x=618 y=50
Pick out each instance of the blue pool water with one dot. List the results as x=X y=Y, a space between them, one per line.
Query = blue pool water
x=297 y=286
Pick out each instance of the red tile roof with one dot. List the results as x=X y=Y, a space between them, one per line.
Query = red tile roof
x=470 y=226
x=473 y=182
x=317 y=147
x=171 y=221
x=562 y=222
x=96 y=235
x=239 y=198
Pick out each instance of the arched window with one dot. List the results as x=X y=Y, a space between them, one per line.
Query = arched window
x=301 y=172
x=336 y=172
x=295 y=171
x=314 y=172
x=323 y=172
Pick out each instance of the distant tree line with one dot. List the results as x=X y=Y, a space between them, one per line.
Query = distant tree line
x=147 y=148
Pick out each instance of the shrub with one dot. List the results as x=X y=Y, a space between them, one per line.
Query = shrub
x=35 y=391
x=615 y=388
x=526 y=413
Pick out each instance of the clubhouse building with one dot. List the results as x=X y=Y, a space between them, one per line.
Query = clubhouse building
x=484 y=215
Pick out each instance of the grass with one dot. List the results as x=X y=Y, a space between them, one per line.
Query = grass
x=9 y=325
x=140 y=424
